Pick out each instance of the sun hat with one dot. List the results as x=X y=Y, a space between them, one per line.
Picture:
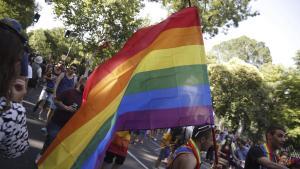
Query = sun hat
x=38 y=59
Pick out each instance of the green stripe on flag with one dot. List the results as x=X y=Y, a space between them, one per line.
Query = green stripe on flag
x=168 y=78
x=93 y=144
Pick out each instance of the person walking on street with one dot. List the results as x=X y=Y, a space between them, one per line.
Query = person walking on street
x=67 y=103
x=188 y=156
x=36 y=72
x=66 y=80
x=263 y=156
x=117 y=150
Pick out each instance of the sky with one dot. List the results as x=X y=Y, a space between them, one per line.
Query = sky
x=277 y=25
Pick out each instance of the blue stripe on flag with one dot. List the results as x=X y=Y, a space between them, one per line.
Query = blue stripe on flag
x=183 y=96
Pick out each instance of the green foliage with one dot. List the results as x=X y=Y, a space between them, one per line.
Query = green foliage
x=246 y=97
x=272 y=73
x=284 y=91
x=287 y=91
x=247 y=49
x=291 y=119
x=216 y=15
x=100 y=21
x=287 y=95
x=52 y=44
x=297 y=59
x=239 y=96
x=21 y=10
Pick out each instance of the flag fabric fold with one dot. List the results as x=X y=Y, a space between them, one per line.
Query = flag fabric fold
x=158 y=79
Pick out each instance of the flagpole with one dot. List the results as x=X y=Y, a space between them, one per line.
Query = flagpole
x=212 y=129
x=215 y=144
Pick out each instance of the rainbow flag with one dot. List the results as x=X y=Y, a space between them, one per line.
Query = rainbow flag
x=158 y=80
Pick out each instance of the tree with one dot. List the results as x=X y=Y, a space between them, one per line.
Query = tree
x=272 y=73
x=284 y=91
x=239 y=96
x=297 y=59
x=99 y=22
x=215 y=15
x=20 y=10
x=52 y=44
x=249 y=50
x=287 y=92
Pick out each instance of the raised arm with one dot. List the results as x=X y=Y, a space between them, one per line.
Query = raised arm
x=58 y=80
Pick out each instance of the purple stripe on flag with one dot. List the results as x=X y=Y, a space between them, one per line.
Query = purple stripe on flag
x=165 y=118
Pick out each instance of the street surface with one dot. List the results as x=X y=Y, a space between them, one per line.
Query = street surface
x=140 y=156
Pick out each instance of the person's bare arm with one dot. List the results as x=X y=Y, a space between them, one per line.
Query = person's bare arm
x=59 y=78
x=264 y=161
x=185 y=161
x=63 y=106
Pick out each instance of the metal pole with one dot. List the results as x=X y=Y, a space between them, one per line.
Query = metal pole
x=215 y=144
x=70 y=48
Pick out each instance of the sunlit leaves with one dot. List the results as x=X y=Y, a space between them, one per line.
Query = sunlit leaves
x=249 y=50
x=239 y=96
x=21 y=10
x=100 y=21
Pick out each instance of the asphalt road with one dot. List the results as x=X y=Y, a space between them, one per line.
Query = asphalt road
x=140 y=156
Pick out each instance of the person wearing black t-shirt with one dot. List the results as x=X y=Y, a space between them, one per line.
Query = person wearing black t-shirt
x=68 y=102
x=263 y=156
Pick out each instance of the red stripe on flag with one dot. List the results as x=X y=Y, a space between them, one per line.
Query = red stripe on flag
x=134 y=45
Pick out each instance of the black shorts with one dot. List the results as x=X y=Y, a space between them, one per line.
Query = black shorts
x=109 y=157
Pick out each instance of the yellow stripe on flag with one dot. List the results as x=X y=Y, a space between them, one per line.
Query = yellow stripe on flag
x=66 y=153
x=173 y=57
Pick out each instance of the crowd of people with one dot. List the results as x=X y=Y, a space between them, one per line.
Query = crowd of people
x=61 y=96
x=193 y=147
